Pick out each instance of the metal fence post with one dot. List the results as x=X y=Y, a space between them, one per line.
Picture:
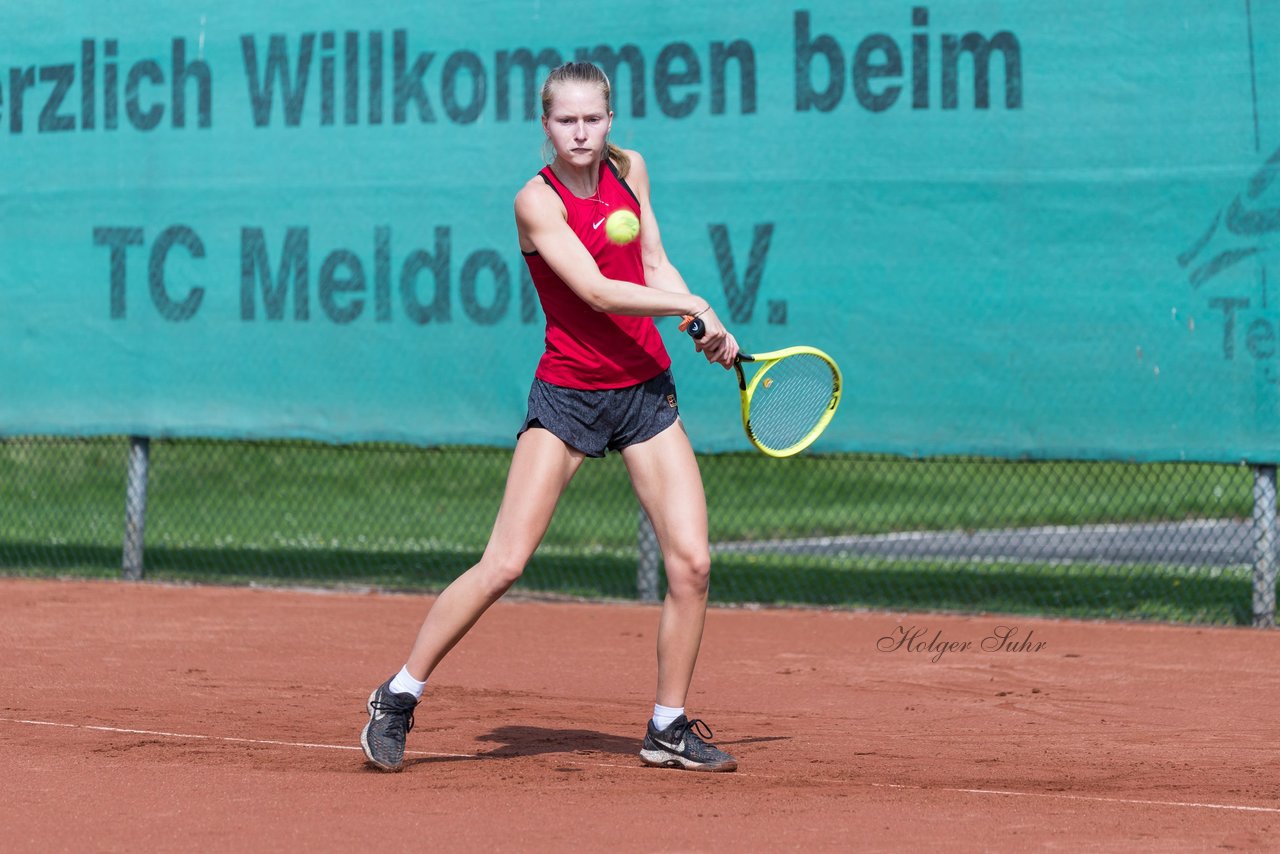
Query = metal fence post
x=650 y=558
x=1264 y=547
x=135 y=506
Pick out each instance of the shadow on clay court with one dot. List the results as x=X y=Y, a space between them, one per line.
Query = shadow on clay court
x=516 y=741
x=752 y=740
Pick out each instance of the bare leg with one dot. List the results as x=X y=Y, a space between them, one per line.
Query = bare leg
x=665 y=475
x=541 y=468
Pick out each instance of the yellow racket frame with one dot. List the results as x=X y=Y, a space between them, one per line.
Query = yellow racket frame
x=748 y=388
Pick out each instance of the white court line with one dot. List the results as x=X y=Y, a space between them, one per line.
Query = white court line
x=225 y=738
x=1002 y=792
x=1067 y=797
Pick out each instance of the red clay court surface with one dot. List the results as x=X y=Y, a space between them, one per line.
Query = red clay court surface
x=140 y=717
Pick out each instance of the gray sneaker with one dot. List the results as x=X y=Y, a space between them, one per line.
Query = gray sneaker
x=681 y=745
x=390 y=719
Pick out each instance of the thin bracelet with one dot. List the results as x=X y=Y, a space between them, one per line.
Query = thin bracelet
x=704 y=311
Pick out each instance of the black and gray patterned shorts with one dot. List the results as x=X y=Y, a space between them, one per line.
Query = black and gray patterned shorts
x=594 y=421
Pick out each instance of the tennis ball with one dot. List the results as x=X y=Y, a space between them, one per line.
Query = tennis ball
x=622 y=227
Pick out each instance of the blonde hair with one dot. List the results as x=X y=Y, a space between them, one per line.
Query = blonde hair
x=586 y=72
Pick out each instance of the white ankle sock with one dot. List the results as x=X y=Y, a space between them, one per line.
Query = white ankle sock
x=403 y=683
x=664 y=715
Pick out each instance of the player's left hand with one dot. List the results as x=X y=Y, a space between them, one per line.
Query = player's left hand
x=717 y=344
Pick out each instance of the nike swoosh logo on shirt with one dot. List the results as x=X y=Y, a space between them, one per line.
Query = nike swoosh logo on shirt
x=598 y=224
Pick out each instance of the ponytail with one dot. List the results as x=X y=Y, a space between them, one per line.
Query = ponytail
x=620 y=160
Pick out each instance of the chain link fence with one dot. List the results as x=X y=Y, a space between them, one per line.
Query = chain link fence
x=1169 y=541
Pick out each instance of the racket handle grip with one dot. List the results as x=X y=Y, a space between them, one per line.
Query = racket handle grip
x=695 y=327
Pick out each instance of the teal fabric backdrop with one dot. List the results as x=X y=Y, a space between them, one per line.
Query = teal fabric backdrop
x=1022 y=229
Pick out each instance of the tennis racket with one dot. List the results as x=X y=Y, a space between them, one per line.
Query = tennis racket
x=789 y=401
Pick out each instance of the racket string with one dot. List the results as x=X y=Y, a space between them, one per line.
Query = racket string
x=790 y=400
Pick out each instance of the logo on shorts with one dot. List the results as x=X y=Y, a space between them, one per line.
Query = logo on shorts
x=671 y=401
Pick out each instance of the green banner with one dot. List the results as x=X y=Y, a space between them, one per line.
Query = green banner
x=1022 y=229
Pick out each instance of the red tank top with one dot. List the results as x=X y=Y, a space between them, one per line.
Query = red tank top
x=588 y=349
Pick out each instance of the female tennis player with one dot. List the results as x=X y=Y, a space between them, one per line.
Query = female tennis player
x=603 y=384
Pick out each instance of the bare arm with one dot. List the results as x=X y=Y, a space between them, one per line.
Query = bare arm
x=541 y=223
x=659 y=272
x=716 y=344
